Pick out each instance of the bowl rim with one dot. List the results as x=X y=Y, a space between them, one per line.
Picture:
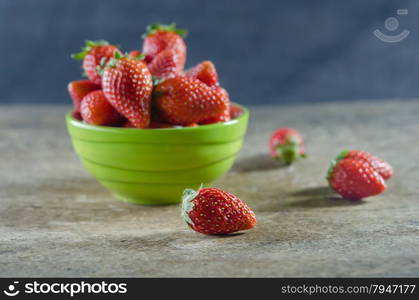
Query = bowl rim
x=110 y=129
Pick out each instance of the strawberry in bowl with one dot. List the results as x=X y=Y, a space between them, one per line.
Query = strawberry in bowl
x=145 y=128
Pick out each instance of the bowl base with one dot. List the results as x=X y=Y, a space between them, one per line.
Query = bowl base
x=148 y=194
x=145 y=201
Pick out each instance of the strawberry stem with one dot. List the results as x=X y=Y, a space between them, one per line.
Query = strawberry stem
x=88 y=46
x=333 y=164
x=156 y=81
x=342 y=155
x=289 y=152
x=153 y=28
x=187 y=203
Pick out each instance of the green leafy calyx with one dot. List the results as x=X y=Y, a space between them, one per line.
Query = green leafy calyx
x=187 y=203
x=289 y=152
x=88 y=46
x=329 y=174
x=153 y=28
x=140 y=56
x=156 y=81
x=342 y=155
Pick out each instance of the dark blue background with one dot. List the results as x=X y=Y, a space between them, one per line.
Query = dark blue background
x=265 y=51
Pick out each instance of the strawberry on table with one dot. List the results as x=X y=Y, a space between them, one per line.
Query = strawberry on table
x=382 y=167
x=127 y=85
x=205 y=72
x=78 y=89
x=286 y=144
x=355 y=179
x=182 y=101
x=213 y=211
x=95 y=54
x=95 y=109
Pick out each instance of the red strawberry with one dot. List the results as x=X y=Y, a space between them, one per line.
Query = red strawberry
x=213 y=211
x=161 y=37
x=166 y=64
x=127 y=85
x=95 y=109
x=205 y=72
x=76 y=115
x=94 y=55
x=355 y=179
x=286 y=144
x=235 y=111
x=182 y=101
x=382 y=167
x=78 y=89
x=223 y=116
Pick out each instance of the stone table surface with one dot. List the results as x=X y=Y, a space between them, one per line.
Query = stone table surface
x=56 y=220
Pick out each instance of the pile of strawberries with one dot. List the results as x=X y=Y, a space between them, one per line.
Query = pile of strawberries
x=148 y=88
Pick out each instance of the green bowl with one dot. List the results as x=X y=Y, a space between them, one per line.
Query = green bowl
x=154 y=166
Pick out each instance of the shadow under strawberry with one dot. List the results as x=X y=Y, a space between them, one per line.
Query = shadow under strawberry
x=258 y=162
x=315 y=197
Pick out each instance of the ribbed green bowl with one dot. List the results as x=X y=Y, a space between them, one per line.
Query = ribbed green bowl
x=154 y=166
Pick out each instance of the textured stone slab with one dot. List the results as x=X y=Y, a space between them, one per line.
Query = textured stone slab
x=55 y=220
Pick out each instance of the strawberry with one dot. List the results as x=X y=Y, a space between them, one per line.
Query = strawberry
x=213 y=211
x=77 y=116
x=223 y=116
x=95 y=109
x=94 y=55
x=205 y=72
x=182 y=101
x=127 y=85
x=78 y=89
x=166 y=64
x=382 y=167
x=235 y=111
x=286 y=144
x=161 y=37
x=355 y=179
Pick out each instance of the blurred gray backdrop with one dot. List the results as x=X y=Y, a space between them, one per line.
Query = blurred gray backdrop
x=265 y=51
